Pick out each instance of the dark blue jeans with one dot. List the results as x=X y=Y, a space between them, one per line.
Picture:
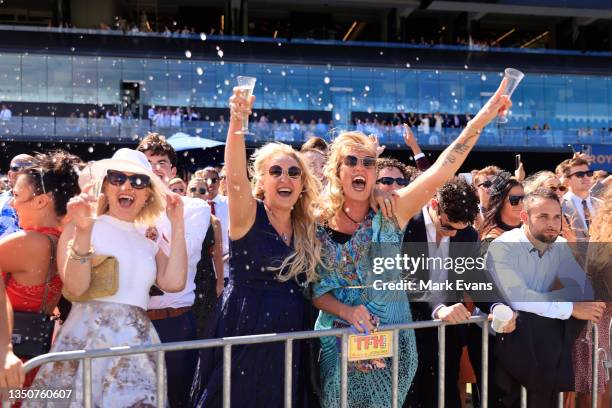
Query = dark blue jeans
x=180 y=365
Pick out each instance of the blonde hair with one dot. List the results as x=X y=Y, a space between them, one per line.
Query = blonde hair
x=332 y=198
x=307 y=248
x=537 y=180
x=599 y=251
x=148 y=214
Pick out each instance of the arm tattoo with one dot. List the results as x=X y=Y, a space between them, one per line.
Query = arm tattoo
x=450 y=159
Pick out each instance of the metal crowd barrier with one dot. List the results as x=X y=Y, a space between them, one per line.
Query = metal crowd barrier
x=288 y=338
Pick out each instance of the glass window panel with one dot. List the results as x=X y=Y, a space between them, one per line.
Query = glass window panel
x=34 y=78
x=362 y=99
x=597 y=97
x=85 y=80
x=10 y=75
x=179 y=93
x=470 y=91
x=554 y=104
x=156 y=81
x=204 y=84
x=450 y=92
x=383 y=90
x=225 y=81
x=297 y=87
x=109 y=80
x=318 y=94
x=60 y=81
x=275 y=96
x=429 y=91
x=407 y=90
x=577 y=107
x=533 y=96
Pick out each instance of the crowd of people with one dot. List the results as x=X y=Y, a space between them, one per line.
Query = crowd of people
x=125 y=253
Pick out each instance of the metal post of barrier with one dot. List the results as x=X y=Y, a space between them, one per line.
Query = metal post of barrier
x=560 y=400
x=395 y=369
x=227 y=374
x=441 y=364
x=595 y=361
x=288 y=371
x=87 y=382
x=344 y=372
x=161 y=378
x=484 y=392
x=523 y=397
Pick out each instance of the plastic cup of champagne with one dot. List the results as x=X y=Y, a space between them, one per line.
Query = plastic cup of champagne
x=514 y=77
x=246 y=85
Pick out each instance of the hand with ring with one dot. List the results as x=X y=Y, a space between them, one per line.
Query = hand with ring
x=360 y=318
x=385 y=201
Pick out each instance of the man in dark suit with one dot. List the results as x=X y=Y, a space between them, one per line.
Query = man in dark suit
x=442 y=230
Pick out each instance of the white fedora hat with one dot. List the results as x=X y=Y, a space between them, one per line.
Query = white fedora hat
x=126 y=160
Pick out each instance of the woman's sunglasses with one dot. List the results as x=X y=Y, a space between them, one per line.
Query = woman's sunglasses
x=515 y=200
x=277 y=171
x=352 y=161
x=199 y=191
x=137 y=181
x=387 y=181
x=555 y=188
x=178 y=190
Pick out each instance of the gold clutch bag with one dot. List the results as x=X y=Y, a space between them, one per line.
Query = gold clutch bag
x=104 y=279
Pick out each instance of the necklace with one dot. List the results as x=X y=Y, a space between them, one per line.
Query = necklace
x=349 y=217
x=285 y=237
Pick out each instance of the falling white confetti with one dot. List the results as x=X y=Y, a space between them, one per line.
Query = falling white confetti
x=483 y=77
x=203 y=37
x=326 y=80
x=337 y=116
x=199 y=71
x=226 y=82
x=465 y=67
x=90 y=149
x=407 y=65
x=367 y=88
x=188 y=54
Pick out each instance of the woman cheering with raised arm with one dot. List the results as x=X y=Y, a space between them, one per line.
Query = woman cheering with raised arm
x=352 y=236
x=273 y=256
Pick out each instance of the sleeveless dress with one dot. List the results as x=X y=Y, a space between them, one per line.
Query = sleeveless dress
x=117 y=320
x=255 y=302
x=26 y=298
x=348 y=275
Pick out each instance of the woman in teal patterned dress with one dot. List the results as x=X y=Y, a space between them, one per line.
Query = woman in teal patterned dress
x=352 y=235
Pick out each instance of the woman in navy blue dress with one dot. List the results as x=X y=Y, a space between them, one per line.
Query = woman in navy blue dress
x=273 y=255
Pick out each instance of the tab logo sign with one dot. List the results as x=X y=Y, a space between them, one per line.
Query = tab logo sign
x=375 y=345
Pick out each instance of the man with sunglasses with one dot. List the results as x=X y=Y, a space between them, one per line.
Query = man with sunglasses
x=443 y=230
x=219 y=208
x=579 y=207
x=171 y=313
x=8 y=218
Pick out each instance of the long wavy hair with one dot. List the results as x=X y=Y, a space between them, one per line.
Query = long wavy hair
x=332 y=198
x=537 y=180
x=307 y=248
x=498 y=193
x=599 y=259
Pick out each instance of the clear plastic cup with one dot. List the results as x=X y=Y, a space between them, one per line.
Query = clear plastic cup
x=502 y=314
x=514 y=77
x=246 y=85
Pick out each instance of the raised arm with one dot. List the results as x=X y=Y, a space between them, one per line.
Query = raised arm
x=172 y=269
x=242 y=206
x=414 y=196
x=421 y=161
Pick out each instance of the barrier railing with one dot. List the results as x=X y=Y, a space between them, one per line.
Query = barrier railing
x=228 y=342
x=60 y=129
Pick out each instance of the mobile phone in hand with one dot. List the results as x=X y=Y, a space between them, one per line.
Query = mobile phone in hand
x=517 y=161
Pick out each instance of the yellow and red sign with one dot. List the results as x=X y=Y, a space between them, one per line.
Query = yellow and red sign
x=375 y=345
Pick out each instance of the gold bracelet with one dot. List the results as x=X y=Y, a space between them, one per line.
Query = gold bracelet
x=77 y=257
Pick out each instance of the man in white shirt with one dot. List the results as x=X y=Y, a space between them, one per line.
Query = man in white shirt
x=5 y=113
x=539 y=277
x=218 y=207
x=171 y=313
x=579 y=207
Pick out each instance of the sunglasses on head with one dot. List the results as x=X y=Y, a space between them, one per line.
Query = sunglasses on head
x=515 y=200
x=198 y=190
x=555 y=188
x=352 y=161
x=137 y=181
x=581 y=174
x=387 y=181
x=19 y=167
x=293 y=172
x=486 y=184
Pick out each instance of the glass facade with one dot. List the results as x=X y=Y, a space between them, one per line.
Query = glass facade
x=564 y=102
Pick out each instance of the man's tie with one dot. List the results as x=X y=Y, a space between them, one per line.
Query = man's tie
x=212 y=206
x=587 y=213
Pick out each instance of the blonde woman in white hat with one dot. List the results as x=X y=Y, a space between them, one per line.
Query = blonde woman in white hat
x=131 y=195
